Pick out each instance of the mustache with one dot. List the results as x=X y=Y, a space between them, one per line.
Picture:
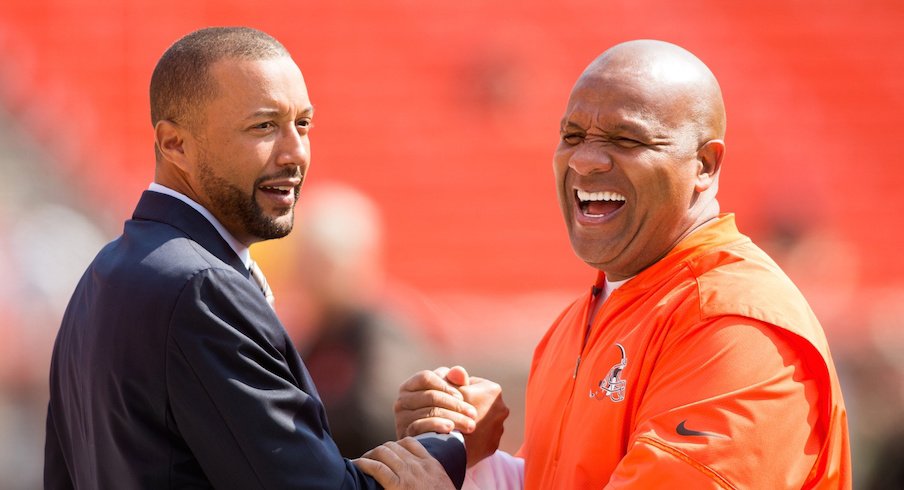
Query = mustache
x=287 y=173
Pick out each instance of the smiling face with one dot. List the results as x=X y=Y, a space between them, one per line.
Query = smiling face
x=634 y=167
x=249 y=152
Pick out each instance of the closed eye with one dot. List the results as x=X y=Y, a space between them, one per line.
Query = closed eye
x=627 y=142
x=572 y=138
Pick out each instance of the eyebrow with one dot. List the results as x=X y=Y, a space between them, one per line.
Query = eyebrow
x=624 y=126
x=308 y=111
x=566 y=124
x=631 y=127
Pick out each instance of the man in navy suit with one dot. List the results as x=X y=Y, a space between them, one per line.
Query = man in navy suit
x=170 y=369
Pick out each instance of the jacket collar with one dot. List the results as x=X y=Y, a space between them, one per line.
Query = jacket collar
x=718 y=233
x=154 y=206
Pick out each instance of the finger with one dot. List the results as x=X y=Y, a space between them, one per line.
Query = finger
x=428 y=380
x=458 y=376
x=379 y=471
x=439 y=425
x=422 y=380
x=453 y=415
x=441 y=371
x=444 y=385
x=414 y=447
x=424 y=401
x=447 y=412
x=387 y=453
x=482 y=388
x=421 y=426
x=477 y=380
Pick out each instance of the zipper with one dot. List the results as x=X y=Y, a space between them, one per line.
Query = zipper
x=553 y=472
x=594 y=297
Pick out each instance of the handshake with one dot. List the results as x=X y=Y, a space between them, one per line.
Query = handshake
x=439 y=401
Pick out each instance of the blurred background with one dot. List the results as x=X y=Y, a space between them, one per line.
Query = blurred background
x=428 y=231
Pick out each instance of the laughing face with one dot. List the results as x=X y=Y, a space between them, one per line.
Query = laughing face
x=252 y=151
x=628 y=169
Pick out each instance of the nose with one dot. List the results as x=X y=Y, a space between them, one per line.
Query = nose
x=294 y=148
x=588 y=158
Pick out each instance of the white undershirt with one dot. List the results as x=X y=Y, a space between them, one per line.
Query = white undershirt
x=612 y=286
x=499 y=471
x=238 y=247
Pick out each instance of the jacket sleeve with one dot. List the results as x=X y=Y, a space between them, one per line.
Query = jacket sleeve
x=732 y=403
x=235 y=398
x=56 y=471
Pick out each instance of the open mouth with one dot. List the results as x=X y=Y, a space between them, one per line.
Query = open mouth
x=278 y=190
x=598 y=204
x=279 y=194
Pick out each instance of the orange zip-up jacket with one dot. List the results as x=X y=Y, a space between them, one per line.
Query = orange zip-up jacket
x=706 y=370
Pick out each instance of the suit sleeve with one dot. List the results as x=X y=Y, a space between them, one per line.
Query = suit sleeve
x=56 y=472
x=237 y=401
x=734 y=403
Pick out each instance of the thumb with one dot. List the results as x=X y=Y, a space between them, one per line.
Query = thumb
x=457 y=376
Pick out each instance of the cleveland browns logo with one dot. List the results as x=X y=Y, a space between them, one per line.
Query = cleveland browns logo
x=612 y=386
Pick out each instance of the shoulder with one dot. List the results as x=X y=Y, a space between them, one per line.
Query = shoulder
x=735 y=275
x=161 y=251
x=743 y=280
x=151 y=267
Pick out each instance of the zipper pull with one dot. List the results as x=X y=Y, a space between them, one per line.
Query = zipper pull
x=576 y=366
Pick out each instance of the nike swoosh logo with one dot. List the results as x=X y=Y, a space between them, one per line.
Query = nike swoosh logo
x=684 y=431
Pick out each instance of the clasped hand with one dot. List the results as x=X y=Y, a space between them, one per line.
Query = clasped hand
x=448 y=399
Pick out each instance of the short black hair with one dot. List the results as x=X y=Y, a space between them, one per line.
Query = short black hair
x=181 y=82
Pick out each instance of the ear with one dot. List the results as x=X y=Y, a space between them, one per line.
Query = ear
x=709 y=157
x=170 y=139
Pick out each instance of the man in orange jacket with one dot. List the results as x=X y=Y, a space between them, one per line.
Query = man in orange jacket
x=692 y=361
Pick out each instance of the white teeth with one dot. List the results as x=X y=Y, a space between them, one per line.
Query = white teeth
x=585 y=196
x=285 y=188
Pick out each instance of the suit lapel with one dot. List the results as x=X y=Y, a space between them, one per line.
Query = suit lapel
x=154 y=206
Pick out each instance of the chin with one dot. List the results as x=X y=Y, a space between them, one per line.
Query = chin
x=267 y=228
x=590 y=257
x=283 y=227
x=591 y=253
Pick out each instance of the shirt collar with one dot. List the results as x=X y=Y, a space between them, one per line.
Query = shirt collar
x=240 y=249
x=719 y=231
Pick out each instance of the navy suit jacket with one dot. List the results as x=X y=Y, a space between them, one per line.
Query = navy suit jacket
x=170 y=370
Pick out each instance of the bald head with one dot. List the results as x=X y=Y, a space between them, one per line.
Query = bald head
x=679 y=77
x=640 y=153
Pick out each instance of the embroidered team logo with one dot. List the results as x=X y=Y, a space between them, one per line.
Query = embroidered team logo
x=612 y=386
